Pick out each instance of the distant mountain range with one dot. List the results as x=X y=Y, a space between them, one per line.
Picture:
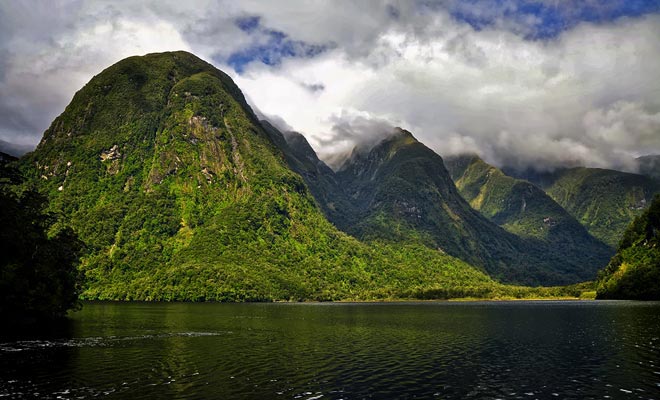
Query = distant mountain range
x=524 y=209
x=400 y=191
x=604 y=201
x=13 y=149
x=180 y=193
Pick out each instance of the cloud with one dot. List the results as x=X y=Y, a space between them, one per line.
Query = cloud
x=41 y=74
x=517 y=102
x=543 y=19
x=522 y=83
x=272 y=46
x=277 y=121
x=353 y=130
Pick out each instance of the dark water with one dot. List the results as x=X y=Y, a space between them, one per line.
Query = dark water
x=522 y=350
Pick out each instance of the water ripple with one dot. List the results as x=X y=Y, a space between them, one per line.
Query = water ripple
x=474 y=351
x=22 y=345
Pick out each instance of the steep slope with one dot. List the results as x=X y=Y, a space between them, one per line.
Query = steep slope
x=167 y=176
x=650 y=166
x=634 y=272
x=525 y=210
x=604 y=201
x=320 y=179
x=402 y=192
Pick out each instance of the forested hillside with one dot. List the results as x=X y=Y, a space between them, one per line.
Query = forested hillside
x=634 y=272
x=179 y=194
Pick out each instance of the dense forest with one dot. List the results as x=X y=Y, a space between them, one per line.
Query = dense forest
x=634 y=272
x=39 y=278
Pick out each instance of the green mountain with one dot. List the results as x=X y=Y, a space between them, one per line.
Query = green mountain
x=401 y=192
x=604 y=201
x=525 y=210
x=650 y=166
x=320 y=179
x=179 y=193
x=345 y=201
x=634 y=272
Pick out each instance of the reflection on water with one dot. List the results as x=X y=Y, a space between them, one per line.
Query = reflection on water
x=523 y=350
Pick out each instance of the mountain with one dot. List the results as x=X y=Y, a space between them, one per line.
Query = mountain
x=6 y=158
x=401 y=192
x=13 y=149
x=634 y=272
x=179 y=193
x=525 y=210
x=604 y=201
x=320 y=178
x=505 y=256
x=515 y=204
x=650 y=166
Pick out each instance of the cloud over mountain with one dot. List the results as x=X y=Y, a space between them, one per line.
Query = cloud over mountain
x=521 y=83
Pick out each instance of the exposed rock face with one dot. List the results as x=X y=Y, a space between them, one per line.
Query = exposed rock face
x=111 y=154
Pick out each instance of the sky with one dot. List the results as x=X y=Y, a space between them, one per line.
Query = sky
x=525 y=84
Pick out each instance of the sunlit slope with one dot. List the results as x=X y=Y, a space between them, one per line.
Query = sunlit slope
x=522 y=208
x=604 y=201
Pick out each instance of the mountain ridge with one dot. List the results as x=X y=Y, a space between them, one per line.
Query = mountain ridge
x=402 y=191
x=526 y=210
x=519 y=206
x=604 y=201
x=180 y=193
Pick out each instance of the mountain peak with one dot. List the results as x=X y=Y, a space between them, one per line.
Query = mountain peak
x=403 y=134
x=458 y=164
x=398 y=137
x=384 y=149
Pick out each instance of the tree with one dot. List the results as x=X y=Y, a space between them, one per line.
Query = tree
x=38 y=268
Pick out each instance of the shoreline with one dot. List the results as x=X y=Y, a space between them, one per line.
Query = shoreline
x=348 y=301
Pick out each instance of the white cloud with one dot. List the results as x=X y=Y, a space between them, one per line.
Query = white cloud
x=589 y=96
x=515 y=101
x=39 y=78
x=624 y=124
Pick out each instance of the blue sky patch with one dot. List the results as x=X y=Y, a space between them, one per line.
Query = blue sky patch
x=270 y=47
x=542 y=19
x=248 y=24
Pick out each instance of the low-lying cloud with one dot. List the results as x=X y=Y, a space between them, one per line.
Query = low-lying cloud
x=590 y=97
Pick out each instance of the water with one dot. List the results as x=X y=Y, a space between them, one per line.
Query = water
x=508 y=350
